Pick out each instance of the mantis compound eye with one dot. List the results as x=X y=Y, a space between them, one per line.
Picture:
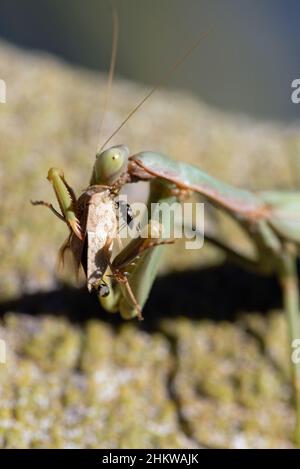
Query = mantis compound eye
x=110 y=164
x=103 y=290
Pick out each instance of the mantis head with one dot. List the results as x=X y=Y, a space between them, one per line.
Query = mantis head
x=110 y=164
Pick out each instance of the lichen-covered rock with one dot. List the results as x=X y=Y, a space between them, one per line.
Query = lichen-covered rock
x=91 y=388
x=52 y=118
x=189 y=384
x=228 y=393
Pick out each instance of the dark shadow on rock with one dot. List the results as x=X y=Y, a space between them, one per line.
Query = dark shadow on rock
x=216 y=293
x=77 y=304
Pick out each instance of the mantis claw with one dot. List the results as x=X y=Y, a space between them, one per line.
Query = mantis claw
x=76 y=228
x=66 y=199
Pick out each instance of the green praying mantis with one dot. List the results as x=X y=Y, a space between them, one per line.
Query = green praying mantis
x=123 y=280
x=270 y=219
x=93 y=223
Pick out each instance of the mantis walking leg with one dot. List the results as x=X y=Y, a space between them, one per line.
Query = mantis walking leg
x=290 y=289
x=141 y=273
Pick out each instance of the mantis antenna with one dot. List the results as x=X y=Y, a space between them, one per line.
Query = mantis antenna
x=112 y=66
x=161 y=82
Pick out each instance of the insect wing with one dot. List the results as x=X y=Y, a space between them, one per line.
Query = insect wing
x=101 y=229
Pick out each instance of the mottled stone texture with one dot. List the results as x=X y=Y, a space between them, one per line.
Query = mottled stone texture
x=188 y=384
x=183 y=383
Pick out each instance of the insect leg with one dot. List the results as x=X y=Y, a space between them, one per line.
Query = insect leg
x=66 y=199
x=290 y=288
x=50 y=206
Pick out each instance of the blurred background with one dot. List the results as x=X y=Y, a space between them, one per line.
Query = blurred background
x=246 y=64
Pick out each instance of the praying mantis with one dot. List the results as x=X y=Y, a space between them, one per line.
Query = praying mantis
x=123 y=281
x=92 y=222
x=270 y=219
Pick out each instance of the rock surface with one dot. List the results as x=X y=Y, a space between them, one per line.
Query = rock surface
x=188 y=384
x=184 y=382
